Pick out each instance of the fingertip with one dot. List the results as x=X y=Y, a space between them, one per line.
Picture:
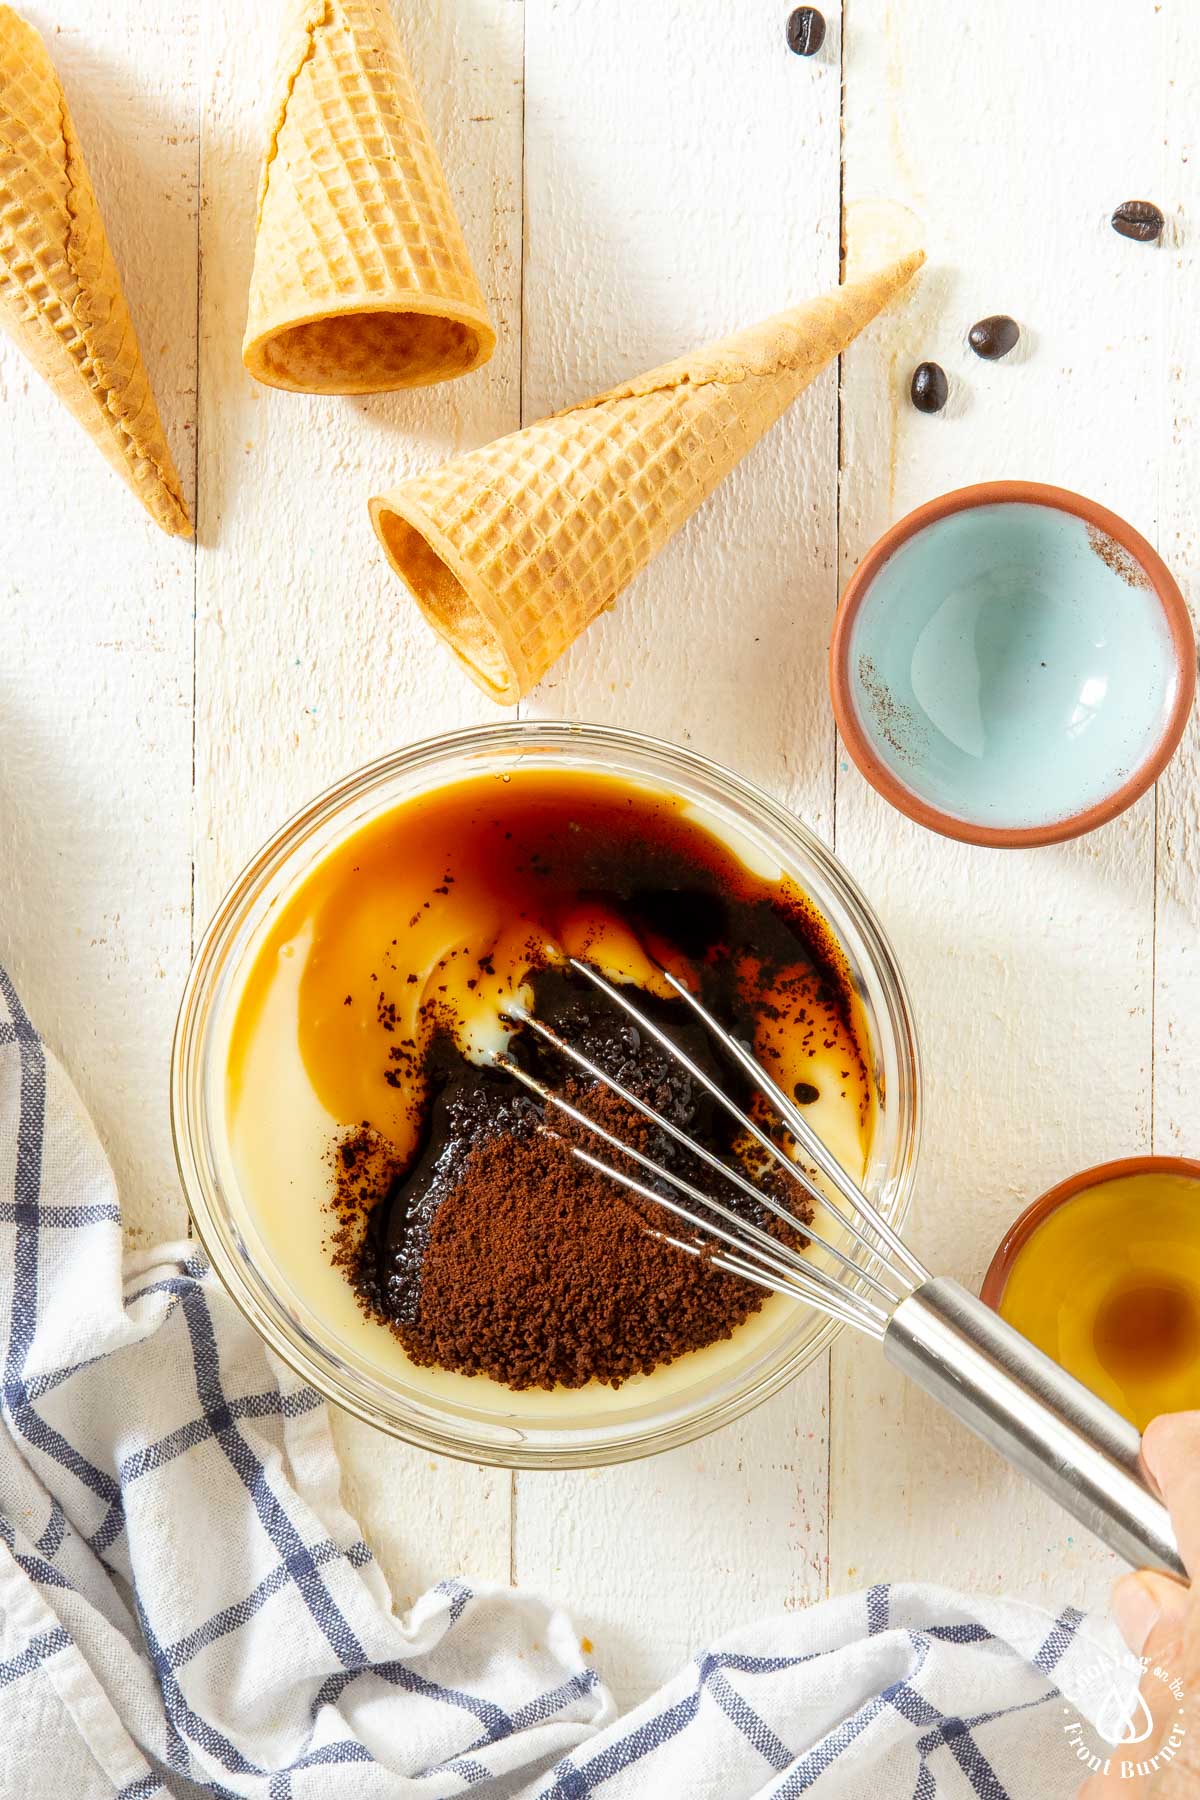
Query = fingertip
x=1136 y=1607
x=1168 y=1440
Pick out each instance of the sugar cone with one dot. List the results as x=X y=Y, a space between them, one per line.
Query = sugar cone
x=511 y=550
x=60 y=294
x=362 y=280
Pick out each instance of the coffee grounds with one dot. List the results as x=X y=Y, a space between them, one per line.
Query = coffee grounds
x=488 y=1248
x=540 y=1272
x=457 y=1223
x=495 y=1251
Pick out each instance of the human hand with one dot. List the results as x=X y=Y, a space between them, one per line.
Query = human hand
x=1160 y=1620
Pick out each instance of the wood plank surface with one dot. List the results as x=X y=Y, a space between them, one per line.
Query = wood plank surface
x=309 y=659
x=1031 y=971
x=682 y=180
x=96 y=631
x=1175 y=1093
x=634 y=178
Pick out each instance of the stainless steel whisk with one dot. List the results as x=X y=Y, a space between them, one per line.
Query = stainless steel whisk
x=1047 y=1424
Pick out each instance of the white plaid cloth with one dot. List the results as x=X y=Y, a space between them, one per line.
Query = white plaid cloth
x=186 y=1608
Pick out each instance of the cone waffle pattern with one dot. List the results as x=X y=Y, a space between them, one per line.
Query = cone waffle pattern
x=362 y=280
x=513 y=549
x=60 y=294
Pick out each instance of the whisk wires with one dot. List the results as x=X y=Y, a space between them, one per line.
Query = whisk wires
x=868 y=1285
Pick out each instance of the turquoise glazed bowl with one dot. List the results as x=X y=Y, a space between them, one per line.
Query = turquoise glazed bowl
x=1012 y=665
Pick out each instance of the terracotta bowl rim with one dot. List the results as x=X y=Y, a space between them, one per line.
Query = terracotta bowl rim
x=1165 y=587
x=1025 y=1224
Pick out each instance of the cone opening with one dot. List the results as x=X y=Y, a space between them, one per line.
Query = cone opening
x=447 y=604
x=366 y=352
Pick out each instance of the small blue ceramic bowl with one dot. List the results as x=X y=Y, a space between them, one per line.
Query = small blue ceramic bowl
x=1012 y=665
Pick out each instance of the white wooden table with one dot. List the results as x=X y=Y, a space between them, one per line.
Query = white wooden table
x=634 y=176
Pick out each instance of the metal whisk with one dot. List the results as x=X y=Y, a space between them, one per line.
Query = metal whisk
x=1047 y=1424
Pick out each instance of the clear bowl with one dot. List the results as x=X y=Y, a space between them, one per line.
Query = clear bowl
x=646 y=1414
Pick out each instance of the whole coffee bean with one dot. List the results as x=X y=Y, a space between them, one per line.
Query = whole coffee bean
x=1139 y=219
x=806 y=31
x=929 y=389
x=993 y=337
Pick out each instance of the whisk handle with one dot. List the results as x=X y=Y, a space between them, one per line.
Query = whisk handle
x=1047 y=1424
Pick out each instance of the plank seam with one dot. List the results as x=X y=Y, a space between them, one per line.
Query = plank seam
x=522 y=705
x=837 y=582
x=200 y=89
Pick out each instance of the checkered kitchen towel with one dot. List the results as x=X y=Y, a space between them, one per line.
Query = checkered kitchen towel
x=186 y=1609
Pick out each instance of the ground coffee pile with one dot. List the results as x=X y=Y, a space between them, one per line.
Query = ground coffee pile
x=497 y=1252
x=540 y=1272
x=485 y=1246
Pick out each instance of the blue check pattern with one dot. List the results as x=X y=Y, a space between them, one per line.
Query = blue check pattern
x=186 y=1609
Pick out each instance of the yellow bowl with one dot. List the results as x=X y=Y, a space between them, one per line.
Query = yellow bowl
x=1103 y=1274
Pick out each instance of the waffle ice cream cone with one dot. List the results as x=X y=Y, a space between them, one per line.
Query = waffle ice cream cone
x=511 y=550
x=60 y=294
x=362 y=280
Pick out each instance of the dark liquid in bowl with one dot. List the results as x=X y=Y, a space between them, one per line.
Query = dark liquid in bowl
x=464 y=1221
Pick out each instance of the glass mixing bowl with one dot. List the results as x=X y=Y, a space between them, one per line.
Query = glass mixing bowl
x=581 y=1428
